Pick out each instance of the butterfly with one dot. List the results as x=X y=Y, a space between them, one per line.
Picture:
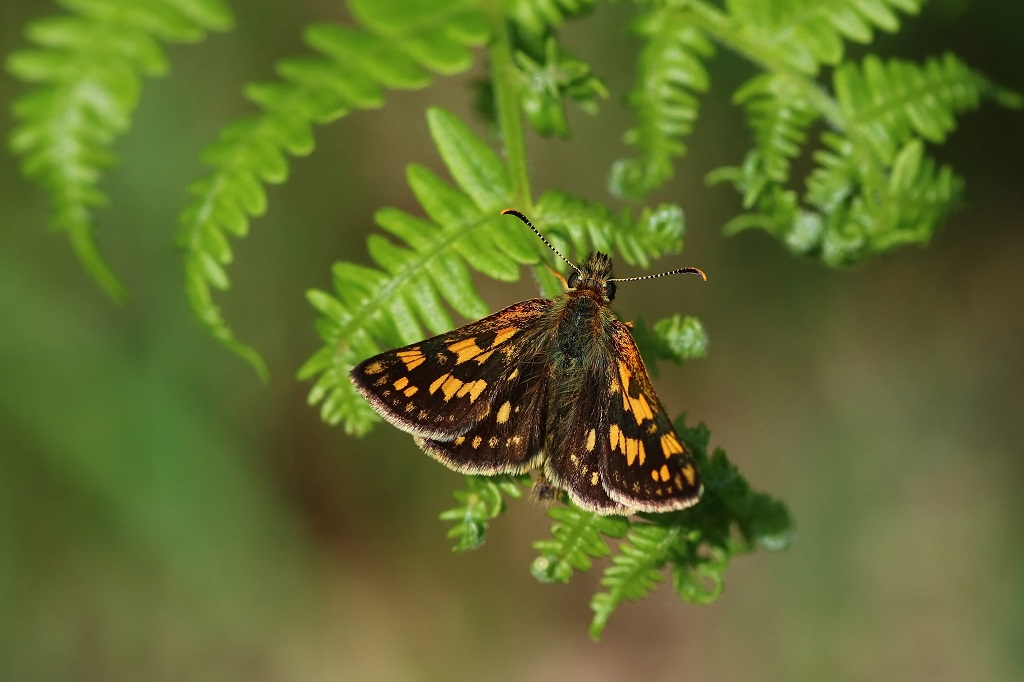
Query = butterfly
x=555 y=385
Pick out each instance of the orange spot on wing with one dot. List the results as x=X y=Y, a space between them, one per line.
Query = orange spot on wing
x=504 y=335
x=450 y=387
x=412 y=358
x=466 y=349
x=439 y=382
x=614 y=433
x=631 y=450
x=670 y=445
x=642 y=409
x=690 y=474
x=472 y=388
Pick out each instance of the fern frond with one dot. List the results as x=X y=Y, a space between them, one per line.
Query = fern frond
x=888 y=102
x=576 y=539
x=397 y=48
x=780 y=113
x=873 y=188
x=429 y=268
x=482 y=501
x=87 y=72
x=804 y=34
x=537 y=17
x=670 y=75
x=635 y=570
x=543 y=86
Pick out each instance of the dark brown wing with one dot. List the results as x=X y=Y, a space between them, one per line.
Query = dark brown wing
x=647 y=468
x=442 y=387
x=508 y=437
x=578 y=444
x=576 y=434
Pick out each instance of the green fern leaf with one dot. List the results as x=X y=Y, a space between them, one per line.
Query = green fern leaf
x=482 y=501
x=635 y=570
x=873 y=188
x=669 y=73
x=399 y=45
x=537 y=17
x=428 y=269
x=87 y=72
x=888 y=102
x=804 y=34
x=576 y=539
x=780 y=113
x=544 y=85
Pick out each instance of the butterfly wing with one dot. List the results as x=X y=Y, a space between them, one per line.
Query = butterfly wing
x=647 y=468
x=577 y=444
x=508 y=437
x=440 y=388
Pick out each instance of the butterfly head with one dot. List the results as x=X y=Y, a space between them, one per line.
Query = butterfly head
x=595 y=275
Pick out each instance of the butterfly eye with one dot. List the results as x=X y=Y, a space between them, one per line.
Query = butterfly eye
x=574 y=279
x=609 y=290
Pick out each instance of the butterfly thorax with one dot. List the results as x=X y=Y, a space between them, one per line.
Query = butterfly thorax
x=581 y=317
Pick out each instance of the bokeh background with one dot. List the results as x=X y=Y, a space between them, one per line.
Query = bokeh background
x=164 y=515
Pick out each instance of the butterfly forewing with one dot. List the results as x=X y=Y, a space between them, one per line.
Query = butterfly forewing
x=442 y=387
x=508 y=438
x=648 y=468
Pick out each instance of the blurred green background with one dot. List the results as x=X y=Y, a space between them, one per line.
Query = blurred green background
x=164 y=515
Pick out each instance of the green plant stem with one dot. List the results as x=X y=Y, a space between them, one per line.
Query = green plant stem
x=507 y=105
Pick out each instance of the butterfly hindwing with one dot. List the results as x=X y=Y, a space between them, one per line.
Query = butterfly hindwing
x=442 y=387
x=578 y=444
x=648 y=468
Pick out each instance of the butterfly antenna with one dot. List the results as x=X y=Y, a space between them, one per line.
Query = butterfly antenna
x=691 y=271
x=526 y=220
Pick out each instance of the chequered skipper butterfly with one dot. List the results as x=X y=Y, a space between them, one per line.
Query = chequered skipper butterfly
x=552 y=384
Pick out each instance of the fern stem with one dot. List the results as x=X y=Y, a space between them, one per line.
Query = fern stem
x=507 y=105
